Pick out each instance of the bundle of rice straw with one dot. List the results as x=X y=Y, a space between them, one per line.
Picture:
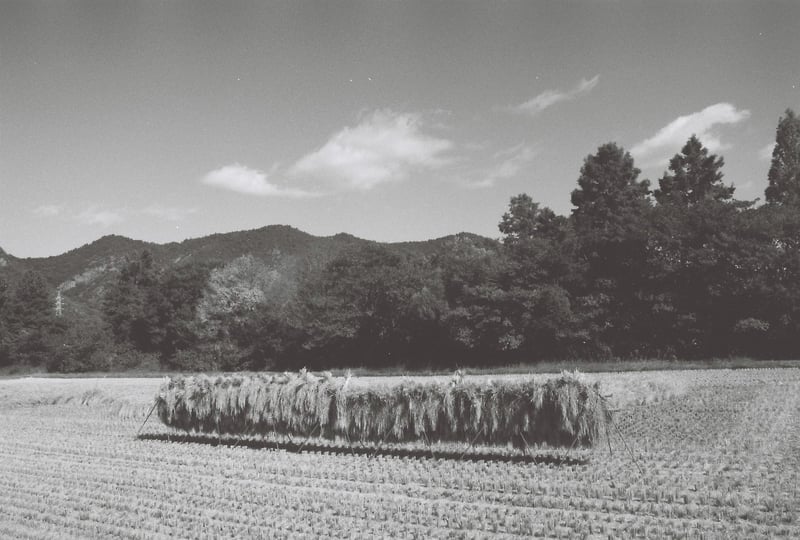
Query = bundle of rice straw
x=560 y=411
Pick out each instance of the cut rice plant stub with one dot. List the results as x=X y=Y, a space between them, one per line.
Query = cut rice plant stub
x=564 y=411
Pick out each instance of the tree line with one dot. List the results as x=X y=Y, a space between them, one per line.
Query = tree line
x=680 y=270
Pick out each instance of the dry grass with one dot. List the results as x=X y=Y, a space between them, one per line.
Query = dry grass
x=560 y=411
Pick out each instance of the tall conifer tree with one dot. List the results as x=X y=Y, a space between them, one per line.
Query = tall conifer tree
x=694 y=176
x=784 y=174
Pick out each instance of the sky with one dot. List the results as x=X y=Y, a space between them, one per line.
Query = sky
x=388 y=120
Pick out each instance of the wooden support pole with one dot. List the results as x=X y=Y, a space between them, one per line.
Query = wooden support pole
x=155 y=402
x=566 y=454
x=349 y=443
x=316 y=427
x=471 y=444
x=524 y=441
x=608 y=436
x=624 y=442
x=375 y=453
x=428 y=443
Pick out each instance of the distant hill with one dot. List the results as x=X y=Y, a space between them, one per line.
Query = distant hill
x=82 y=274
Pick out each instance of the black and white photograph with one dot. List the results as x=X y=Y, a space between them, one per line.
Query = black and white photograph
x=412 y=269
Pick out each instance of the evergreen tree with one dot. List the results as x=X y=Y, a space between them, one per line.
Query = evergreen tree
x=31 y=306
x=31 y=320
x=4 y=334
x=694 y=176
x=129 y=306
x=3 y=297
x=610 y=201
x=611 y=214
x=175 y=299
x=784 y=173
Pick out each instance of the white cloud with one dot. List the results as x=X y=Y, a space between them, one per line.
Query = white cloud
x=169 y=213
x=249 y=181
x=670 y=139
x=384 y=147
x=97 y=216
x=48 y=210
x=765 y=153
x=509 y=163
x=548 y=98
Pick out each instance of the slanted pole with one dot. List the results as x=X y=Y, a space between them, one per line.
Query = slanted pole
x=155 y=402
x=316 y=427
x=471 y=444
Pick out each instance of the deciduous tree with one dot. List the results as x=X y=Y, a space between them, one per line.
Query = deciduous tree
x=542 y=245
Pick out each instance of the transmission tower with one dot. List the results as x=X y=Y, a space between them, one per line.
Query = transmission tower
x=59 y=305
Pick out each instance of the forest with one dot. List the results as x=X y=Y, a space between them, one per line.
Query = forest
x=677 y=268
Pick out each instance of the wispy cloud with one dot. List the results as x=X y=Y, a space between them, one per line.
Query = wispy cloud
x=548 y=98
x=656 y=150
x=508 y=164
x=48 y=210
x=384 y=147
x=242 y=179
x=102 y=217
x=765 y=153
x=169 y=213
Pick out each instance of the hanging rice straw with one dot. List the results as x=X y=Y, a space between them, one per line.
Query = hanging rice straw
x=561 y=411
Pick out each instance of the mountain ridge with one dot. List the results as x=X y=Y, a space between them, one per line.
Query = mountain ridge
x=108 y=239
x=84 y=273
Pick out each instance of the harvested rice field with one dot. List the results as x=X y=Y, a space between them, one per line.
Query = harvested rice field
x=690 y=454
